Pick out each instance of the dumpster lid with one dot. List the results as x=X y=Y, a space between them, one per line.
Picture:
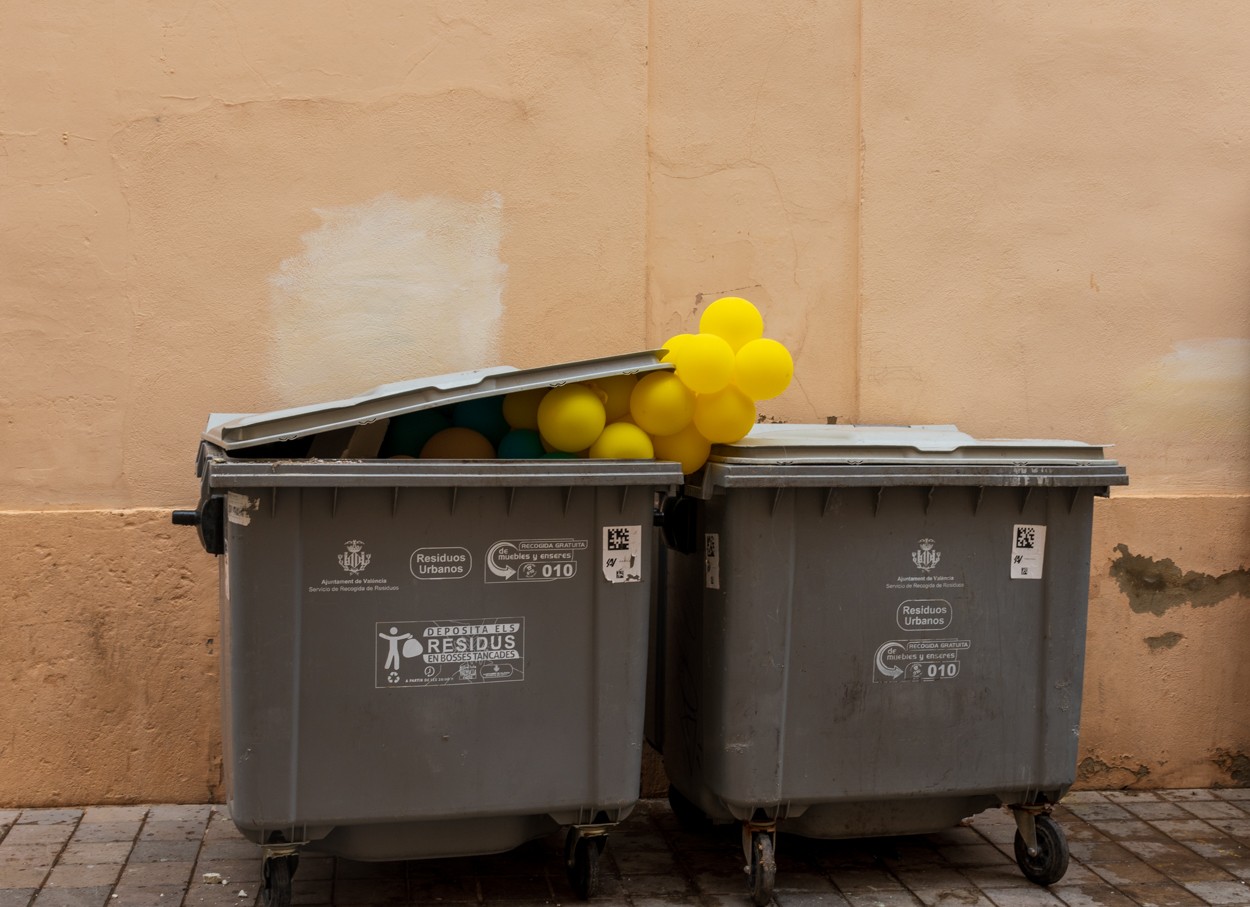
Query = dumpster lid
x=236 y=431
x=793 y=443
x=780 y=456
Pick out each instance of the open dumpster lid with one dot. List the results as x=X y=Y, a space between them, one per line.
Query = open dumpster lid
x=879 y=455
x=240 y=431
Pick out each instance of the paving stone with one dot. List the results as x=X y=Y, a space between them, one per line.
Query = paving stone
x=38 y=834
x=1099 y=852
x=1233 y=793
x=1186 y=830
x=1095 y=812
x=22 y=876
x=1134 y=872
x=169 y=830
x=884 y=899
x=151 y=896
x=105 y=832
x=1169 y=895
x=8 y=817
x=115 y=852
x=635 y=886
x=859 y=881
x=164 y=851
x=1157 y=809
x=1125 y=797
x=792 y=899
x=250 y=871
x=97 y=815
x=143 y=875
x=74 y=897
x=1192 y=793
x=79 y=875
x=1236 y=892
x=1213 y=809
x=17 y=897
x=49 y=817
x=1193 y=870
x=1158 y=851
x=952 y=897
x=1032 y=896
x=1083 y=796
x=193 y=814
x=1091 y=896
x=353 y=892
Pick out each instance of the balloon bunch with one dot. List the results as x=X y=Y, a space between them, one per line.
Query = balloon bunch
x=708 y=398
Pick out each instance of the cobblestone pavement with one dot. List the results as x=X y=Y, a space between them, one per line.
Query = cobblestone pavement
x=1154 y=849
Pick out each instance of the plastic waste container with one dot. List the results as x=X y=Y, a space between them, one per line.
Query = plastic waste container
x=427 y=658
x=876 y=631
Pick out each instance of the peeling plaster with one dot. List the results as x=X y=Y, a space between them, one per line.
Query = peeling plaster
x=1094 y=772
x=1165 y=641
x=1235 y=765
x=1153 y=586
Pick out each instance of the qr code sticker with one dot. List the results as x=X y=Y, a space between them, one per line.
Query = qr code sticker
x=619 y=538
x=1026 y=536
x=709 y=544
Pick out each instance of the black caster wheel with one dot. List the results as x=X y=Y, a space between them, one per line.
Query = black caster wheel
x=688 y=816
x=581 y=857
x=1050 y=862
x=762 y=871
x=276 y=873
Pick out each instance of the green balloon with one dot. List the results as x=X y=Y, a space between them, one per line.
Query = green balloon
x=521 y=444
x=408 y=433
x=484 y=415
x=559 y=455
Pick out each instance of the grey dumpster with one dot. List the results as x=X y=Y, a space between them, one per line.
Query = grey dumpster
x=427 y=658
x=876 y=631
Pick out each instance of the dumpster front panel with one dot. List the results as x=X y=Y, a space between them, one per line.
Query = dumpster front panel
x=435 y=655
x=843 y=655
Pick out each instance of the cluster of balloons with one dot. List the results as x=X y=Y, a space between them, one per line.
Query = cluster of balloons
x=708 y=398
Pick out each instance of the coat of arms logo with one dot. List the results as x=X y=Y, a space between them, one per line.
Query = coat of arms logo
x=926 y=558
x=354 y=559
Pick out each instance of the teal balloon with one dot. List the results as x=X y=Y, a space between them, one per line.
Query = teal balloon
x=484 y=415
x=408 y=433
x=559 y=455
x=521 y=444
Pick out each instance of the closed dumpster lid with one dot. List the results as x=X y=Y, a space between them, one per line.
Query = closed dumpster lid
x=830 y=455
x=233 y=431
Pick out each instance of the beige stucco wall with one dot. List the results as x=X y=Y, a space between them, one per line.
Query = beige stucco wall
x=1026 y=219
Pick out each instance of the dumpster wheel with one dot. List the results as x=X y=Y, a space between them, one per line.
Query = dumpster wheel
x=277 y=873
x=581 y=858
x=762 y=870
x=1050 y=862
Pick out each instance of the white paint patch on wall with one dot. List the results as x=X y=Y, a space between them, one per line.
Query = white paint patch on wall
x=1185 y=417
x=385 y=290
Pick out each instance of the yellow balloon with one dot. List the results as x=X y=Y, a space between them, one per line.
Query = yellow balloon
x=673 y=345
x=616 y=390
x=520 y=408
x=734 y=319
x=571 y=417
x=763 y=369
x=705 y=363
x=622 y=441
x=687 y=447
x=458 y=444
x=724 y=417
x=661 y=404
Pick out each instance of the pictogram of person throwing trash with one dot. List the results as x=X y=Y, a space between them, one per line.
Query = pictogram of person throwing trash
x=392 y=655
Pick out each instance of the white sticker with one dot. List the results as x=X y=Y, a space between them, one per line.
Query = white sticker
x=411 y=653
x=1027 y=551
x=711 y=560
x=622 y=554
x=239 y=508
x=533 y=560
x=918 y=660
